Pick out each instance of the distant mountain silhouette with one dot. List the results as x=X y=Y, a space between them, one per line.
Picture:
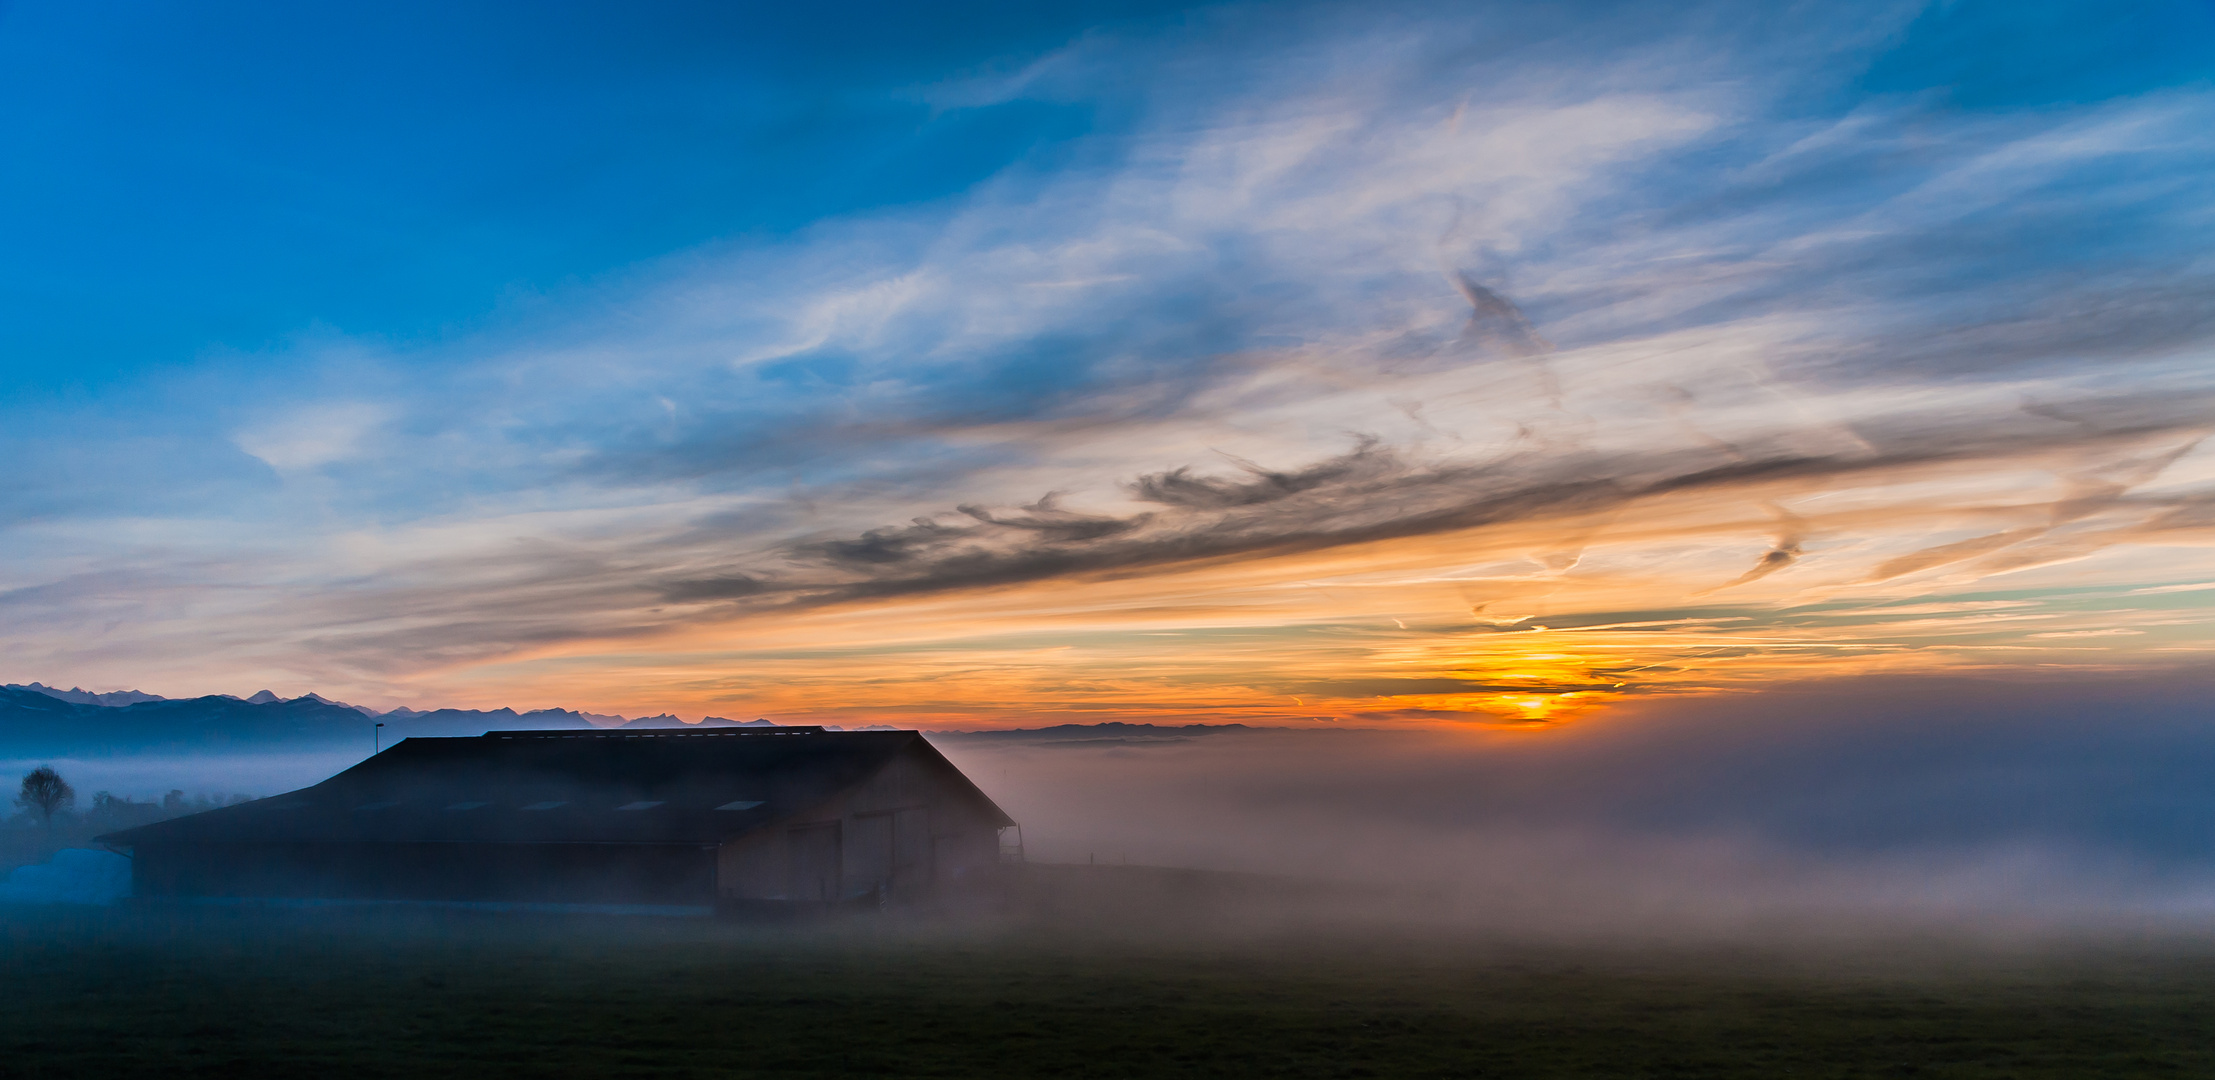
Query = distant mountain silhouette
x=1111 y=731
x=363 y=709
x=400 y=723
x=38 y=720
x=667 y=721
x=34 y=724
x=87 y=697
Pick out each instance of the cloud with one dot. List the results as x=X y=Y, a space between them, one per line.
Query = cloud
x=1786 y=551
x=1371 y=494
x=1338 y=323
x=1493 y=319
x=314 y=436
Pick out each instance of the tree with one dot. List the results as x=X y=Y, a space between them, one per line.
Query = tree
x=45 y=791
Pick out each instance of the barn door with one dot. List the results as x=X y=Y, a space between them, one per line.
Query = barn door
x=911 y=851
x=814 y=862
x=870 y=855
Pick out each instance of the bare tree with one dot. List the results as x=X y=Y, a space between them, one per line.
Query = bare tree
x=45 y=791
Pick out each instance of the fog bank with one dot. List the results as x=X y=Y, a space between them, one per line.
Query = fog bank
x=1998 y=806
x=1949 y=801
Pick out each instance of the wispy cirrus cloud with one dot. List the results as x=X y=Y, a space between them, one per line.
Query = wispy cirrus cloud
x=1353 y=312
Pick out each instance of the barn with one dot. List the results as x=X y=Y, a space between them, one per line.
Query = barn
x=787 y=817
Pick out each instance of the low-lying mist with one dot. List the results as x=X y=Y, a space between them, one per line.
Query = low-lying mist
x=1992 y=809
x=149 y=776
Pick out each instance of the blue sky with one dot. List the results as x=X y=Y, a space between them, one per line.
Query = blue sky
x=643 y=357
x=208 y=177
x=190 y=177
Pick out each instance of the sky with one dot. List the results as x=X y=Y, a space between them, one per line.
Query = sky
x=986 y=365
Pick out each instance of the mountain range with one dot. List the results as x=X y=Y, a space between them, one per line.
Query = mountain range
x=37 y=720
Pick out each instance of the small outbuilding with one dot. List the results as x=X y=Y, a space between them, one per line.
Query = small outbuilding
x=761 y=817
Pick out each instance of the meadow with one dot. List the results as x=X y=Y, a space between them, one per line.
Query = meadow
x=238 y=992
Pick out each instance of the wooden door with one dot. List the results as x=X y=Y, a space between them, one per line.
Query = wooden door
x=814 y=863
x=869 y=854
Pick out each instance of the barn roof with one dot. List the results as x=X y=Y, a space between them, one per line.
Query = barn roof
x=628 y=787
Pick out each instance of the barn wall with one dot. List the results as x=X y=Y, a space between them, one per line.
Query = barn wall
x=525 y=873
x=905 y=833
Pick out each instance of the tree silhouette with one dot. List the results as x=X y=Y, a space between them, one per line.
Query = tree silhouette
x=45 y=791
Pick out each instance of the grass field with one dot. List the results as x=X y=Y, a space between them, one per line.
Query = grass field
x=242 y=993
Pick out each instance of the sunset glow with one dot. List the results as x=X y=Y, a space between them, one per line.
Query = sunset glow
x=1317 y=371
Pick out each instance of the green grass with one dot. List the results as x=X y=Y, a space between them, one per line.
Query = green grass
x=238 y=993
